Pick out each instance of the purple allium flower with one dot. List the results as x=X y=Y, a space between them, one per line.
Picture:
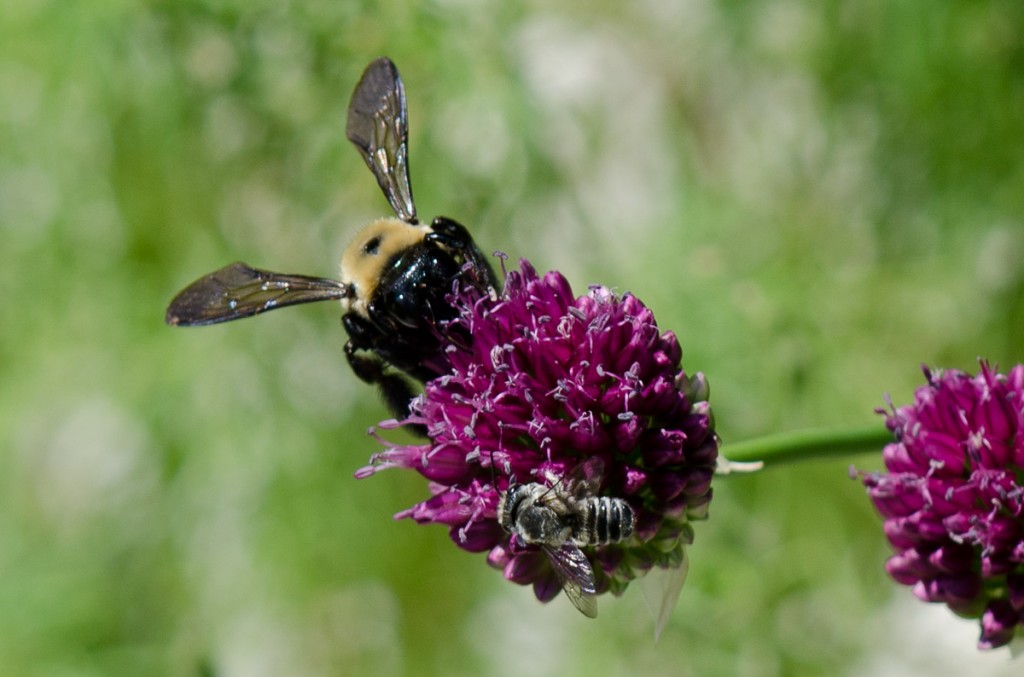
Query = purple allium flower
x=953 y=497
x=541 y=380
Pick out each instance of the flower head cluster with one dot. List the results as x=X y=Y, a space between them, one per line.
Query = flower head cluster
x=953 y=497
x=540 y=381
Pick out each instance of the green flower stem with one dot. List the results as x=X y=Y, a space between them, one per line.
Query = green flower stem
x=807 y=444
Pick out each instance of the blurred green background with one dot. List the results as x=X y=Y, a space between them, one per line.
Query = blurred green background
x=817 y=197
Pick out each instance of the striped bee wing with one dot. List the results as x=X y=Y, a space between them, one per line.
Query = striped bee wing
x=576 y=576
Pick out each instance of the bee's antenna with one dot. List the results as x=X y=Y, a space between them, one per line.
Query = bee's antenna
x=506 y=464
x=494 y=481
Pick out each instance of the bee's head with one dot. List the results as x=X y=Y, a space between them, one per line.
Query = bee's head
x=370 y=253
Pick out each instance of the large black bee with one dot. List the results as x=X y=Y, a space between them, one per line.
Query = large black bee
x=394 y=276
x=564 y=517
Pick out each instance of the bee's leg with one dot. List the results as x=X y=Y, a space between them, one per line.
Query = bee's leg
x=454 y=235
x=396 y=390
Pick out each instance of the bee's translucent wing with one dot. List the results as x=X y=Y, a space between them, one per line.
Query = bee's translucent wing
x=238 y=291
x=378 y=127
x=587 y=476
x=576 y=576
x=661 y=587
x=582 y=480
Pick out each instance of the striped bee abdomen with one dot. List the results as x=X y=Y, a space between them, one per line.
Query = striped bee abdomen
x=603 y=520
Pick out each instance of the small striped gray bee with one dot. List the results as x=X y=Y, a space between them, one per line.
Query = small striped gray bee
x=564 y=517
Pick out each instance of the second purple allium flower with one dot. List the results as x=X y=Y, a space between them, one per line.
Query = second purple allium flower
x=953 y=497
x=540 y=381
